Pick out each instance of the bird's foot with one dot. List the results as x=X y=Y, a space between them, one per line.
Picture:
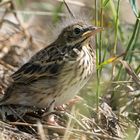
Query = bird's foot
x=75 y=100
x=51 y=120
x=70 y=103
x=61 y=108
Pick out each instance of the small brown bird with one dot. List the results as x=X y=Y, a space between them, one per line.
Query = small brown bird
x=56 y=73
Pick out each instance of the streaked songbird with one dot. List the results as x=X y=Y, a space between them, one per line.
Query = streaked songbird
x=56 y=73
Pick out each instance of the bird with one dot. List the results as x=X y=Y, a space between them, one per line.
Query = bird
x=56 y=73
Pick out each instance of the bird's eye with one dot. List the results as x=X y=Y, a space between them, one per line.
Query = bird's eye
x=77 y=30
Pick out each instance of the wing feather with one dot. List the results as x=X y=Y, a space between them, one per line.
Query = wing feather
x=41 y=65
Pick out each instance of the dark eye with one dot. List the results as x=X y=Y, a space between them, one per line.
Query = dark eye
x=77 y=31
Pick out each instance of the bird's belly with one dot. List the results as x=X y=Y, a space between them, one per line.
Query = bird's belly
x=70 y=92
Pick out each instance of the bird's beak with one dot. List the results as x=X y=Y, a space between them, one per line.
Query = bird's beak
x=92 y=31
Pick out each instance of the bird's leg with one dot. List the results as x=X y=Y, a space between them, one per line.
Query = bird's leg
x=73 y=101
x=61 y=107
x=70 y=103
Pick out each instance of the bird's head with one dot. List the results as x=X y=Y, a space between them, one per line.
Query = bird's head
x=78 y=32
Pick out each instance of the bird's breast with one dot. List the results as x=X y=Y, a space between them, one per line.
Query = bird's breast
x=75 y=75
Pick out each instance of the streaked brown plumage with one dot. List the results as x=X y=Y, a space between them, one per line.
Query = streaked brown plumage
x=56 y=73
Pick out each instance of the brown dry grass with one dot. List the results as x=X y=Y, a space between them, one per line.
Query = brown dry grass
x=119 y=106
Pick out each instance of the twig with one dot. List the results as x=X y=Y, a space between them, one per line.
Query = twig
x=7 y=65
x=138 y=135
x=68 y=9
x=64 y=129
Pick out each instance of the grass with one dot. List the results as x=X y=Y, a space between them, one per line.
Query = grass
x=109 y=106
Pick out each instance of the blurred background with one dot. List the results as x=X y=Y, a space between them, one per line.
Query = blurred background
x=28 y=26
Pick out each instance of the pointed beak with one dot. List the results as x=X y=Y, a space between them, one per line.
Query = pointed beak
x=92 y=31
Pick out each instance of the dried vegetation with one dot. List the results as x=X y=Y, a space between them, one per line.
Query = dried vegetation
x=115 y=118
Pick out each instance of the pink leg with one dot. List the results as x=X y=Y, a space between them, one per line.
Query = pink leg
x=70 y=103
